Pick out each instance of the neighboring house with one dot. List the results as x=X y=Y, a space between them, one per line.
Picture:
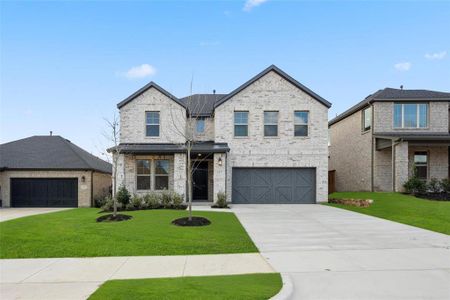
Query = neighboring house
x=50 y=171
x=265 y=142
x=375 y=145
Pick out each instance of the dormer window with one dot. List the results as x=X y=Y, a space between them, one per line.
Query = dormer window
x=410 y=115
x=200 y=125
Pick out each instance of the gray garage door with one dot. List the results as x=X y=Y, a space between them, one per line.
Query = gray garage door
x=44 y=192
x=274 y=185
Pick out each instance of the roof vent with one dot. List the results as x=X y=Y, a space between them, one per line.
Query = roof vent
x=51 y=133
x=401 y=87
x=214 y=92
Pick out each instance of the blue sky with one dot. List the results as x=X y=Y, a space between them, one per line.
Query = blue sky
x=65 y=65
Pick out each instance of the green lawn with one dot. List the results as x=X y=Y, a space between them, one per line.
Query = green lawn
x=428 y=214
x=74 y=233
x=249 y=286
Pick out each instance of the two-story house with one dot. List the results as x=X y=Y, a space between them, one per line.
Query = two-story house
x=377 y=144
x=265 y=142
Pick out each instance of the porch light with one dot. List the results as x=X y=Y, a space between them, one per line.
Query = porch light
x=219 y=161
x=83 y=179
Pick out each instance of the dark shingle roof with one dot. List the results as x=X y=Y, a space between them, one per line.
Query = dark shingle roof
x=390 y=94
x=201 y=104
x=49 y=152
x=199 y=147
x=427 y=136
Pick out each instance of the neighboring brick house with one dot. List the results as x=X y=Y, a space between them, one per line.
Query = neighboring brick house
x=265 y=142
x=376 y=144
x=50 y=171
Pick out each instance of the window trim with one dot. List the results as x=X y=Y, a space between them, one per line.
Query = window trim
x=363 y=119
x=402 y=105
x=272 y=124
x=151 y=124
x=427 y=165
x=143 y=175
x=307 y=123
x=240 y=124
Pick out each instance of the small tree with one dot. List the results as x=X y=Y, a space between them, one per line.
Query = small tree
x=113 y=136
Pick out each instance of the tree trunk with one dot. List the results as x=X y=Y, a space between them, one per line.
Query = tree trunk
x=189 y=179
x=115 y=187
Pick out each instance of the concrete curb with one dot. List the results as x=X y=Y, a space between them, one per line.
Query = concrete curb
x=286 y=290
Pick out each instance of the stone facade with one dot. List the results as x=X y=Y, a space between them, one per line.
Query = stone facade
x=273 y=93
x=350 y=154
x=208 y=134
x=101 y=181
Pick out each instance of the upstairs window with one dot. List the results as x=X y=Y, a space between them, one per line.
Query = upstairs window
x=270 y=123
x=301 y=123
x=152 y=123
x=421 y=165
x=410 y=115
x=241 y=123
x=366 y=119
x=200 y=125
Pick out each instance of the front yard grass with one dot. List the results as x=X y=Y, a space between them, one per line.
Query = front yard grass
x=249 y=286
x=428 y=214
x=75 y=233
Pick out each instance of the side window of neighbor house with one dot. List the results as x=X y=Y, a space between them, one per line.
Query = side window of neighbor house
x=200 y=125
x=366 y=119
x=410 y=115
x=301 y=123
x=161 y=174
x=143 y=174
x=241 y=123
x=270 y=123
x=421 y=164
x=152 y=123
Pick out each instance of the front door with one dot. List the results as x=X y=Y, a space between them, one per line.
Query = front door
x=200 y=182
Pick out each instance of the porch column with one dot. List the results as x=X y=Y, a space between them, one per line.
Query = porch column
x=219 y=165
x=179 y=174
x=120 y=172
x=401 y=165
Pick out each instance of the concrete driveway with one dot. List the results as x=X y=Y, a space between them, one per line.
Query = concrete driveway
x=330 y=253
x=14 y=213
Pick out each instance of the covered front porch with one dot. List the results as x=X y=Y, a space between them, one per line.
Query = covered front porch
x=397 y=155
x=143 y=168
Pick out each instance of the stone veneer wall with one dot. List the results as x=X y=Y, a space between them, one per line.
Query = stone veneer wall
x=84 y=188
x=383 y=170
x=437 y=160
x=102 y=183
x=350 y=154
x=272 y=92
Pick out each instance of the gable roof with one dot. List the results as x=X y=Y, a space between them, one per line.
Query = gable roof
x=282 y=74
x=390 y=94
x=144 y=89
x=201 y=105
x=49 y=152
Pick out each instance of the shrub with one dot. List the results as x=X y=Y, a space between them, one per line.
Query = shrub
x=166 y=198
x=445 y=185
x=221 y=200
x=123 y=195
x=434 y=186
x=100 y=199
x=152 y=200
x=415 y=185
x=177 y=200
x=109 y=204
x=136 y=202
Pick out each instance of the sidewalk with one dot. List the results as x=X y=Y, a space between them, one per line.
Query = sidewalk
x=77 y=278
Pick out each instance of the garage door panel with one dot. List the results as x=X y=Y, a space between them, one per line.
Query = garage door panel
x=273 y=185
x=44 y=192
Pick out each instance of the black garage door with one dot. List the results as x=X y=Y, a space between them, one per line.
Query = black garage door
x=44 y=192
x=274 y=185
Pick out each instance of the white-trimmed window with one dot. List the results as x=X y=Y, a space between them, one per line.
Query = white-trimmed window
x=161 y=174
x=421 y=164
x=241 y=123
x=270 y=123
x=410 y=115
x=301 y=119
x=152 y=123
x=366 y=119
x=143 y=174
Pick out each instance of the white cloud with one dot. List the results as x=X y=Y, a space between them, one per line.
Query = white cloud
x=250 y=4
x=141 y=71
x=436 y=56
x=403 y=66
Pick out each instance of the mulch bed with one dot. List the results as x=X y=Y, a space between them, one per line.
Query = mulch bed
x=112 y=218
x=352 y=202
x=196 y=221
x=434 y=196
